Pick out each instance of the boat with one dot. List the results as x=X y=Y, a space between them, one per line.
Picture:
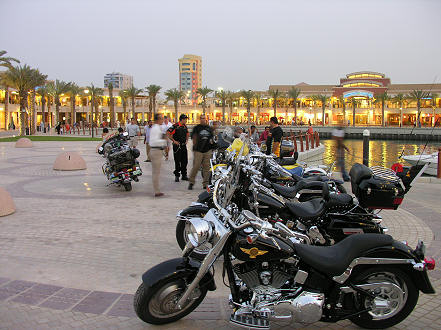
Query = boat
x=430 y=159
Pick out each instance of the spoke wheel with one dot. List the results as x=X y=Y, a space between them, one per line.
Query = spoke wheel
x=391 y=305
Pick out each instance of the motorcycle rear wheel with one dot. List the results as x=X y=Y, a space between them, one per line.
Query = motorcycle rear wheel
x=127 y=186
x=382 y=318
x=157 y=304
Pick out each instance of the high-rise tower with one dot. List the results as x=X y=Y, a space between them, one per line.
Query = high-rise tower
x=190 y=76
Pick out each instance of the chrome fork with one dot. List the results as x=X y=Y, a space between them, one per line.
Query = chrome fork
x=203 y=269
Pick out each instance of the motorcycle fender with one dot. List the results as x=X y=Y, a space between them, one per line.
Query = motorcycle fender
x=204 y=197
x=198 y=207
x=175 y=266
x=266 y=200
x=402 y=251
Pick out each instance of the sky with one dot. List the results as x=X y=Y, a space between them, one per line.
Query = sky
x=244 y=44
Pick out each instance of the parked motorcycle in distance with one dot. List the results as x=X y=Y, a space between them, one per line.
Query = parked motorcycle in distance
x=371 y=280
x=121 y=166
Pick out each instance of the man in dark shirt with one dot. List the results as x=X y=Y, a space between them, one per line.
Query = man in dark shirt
x=274 y=140
x=202 y=136
x=178 y=134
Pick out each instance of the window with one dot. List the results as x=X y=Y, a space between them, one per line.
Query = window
x=185 y=64
x=194 y=66
x=362 y=84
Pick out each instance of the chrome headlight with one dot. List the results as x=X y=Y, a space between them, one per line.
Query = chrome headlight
x=200 y=231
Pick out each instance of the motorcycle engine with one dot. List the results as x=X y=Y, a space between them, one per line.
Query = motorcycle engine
x=255 y=274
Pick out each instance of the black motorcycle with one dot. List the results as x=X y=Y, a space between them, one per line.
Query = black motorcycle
x=372 y=280
x=121 y=166
x=324 y=220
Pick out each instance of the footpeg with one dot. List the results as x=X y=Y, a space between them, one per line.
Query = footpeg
x=249 y=321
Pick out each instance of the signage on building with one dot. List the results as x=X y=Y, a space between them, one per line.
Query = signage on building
x=358 y=93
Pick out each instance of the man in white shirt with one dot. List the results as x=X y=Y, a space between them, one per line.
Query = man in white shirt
x=147 y=129
x=165 y=126
x=157 y=144
x=134 y=132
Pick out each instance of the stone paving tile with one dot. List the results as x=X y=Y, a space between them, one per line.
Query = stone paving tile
x=123 y=307
x=36 y=294
x=13 y=288
x=96 y=302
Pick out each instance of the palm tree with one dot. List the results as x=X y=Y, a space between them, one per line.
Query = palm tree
x=6 y=62
x=55 y=90
x=111 y=105
x=418 y=95
x=153 y=90
x=38 y=80
x=433 y=97
x=400 y=98
x=123 y=95
x=133 y=92
x=222 y=96
x=175 y=95
x=203 y=92
x=22 y=79
x=382 y=98
x=73 y=91
x=341 y=99
x=230 y=98
x=44 y=94
x=94 y=93
x=322 y=99
x=258 y=99
x=248 y=96
x=294 y=94
x=274 y=94
x=354 y=103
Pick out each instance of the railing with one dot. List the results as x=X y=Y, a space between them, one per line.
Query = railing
x=306 y=140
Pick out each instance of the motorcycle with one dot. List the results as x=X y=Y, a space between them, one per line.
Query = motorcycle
x=324 y=220
x=121 y=166
x=273 y=274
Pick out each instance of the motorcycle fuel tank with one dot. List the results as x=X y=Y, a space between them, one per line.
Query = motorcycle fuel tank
x=261 y=249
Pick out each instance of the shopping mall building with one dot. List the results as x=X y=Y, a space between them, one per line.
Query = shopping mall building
x=361 y=86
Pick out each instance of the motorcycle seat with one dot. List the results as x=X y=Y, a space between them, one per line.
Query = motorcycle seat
x=291 y=192
x=307 y=210
x=339 y=200
x=335 y=259
x=286 y=161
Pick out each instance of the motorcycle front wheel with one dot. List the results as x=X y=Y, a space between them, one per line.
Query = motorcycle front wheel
x=400 y=301
x=157 y=304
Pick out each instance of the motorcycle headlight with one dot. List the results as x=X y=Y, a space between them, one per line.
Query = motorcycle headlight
x=200 y=231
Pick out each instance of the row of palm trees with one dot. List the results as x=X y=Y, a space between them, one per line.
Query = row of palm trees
x=29 y=82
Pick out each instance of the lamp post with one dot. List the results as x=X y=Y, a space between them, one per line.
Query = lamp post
x=91 y=110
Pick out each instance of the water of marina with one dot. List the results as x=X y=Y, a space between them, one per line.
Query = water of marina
x=381 y=152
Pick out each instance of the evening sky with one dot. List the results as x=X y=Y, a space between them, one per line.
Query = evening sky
x=244 y=44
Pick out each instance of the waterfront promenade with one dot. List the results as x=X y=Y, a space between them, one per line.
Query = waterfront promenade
x=73 y=253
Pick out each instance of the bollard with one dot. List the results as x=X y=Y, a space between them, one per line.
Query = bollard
x=301 y=142
x=294 y=142
x=366 y=134
x=439 y=164
x=317 y=139
x=311 y=137
x=306 y=142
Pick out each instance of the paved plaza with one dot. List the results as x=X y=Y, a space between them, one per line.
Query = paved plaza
x=73 y=253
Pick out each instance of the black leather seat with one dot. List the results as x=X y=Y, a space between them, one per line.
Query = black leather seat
x=339 y=200
x=333 y=260
x=286 y=161
x=291 y=192
x=307 y=210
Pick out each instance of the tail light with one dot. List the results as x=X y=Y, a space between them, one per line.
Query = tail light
x=430 y=263
x=398 y=200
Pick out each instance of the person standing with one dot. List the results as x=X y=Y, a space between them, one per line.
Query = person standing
x=254 y=135
x=338 y=135
x=264 y=136
x=133 y=130
x=178 y=134
x=274 y=140
x=202 y=136
x=165 y=127
x=147 y=129
x=157 y=144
